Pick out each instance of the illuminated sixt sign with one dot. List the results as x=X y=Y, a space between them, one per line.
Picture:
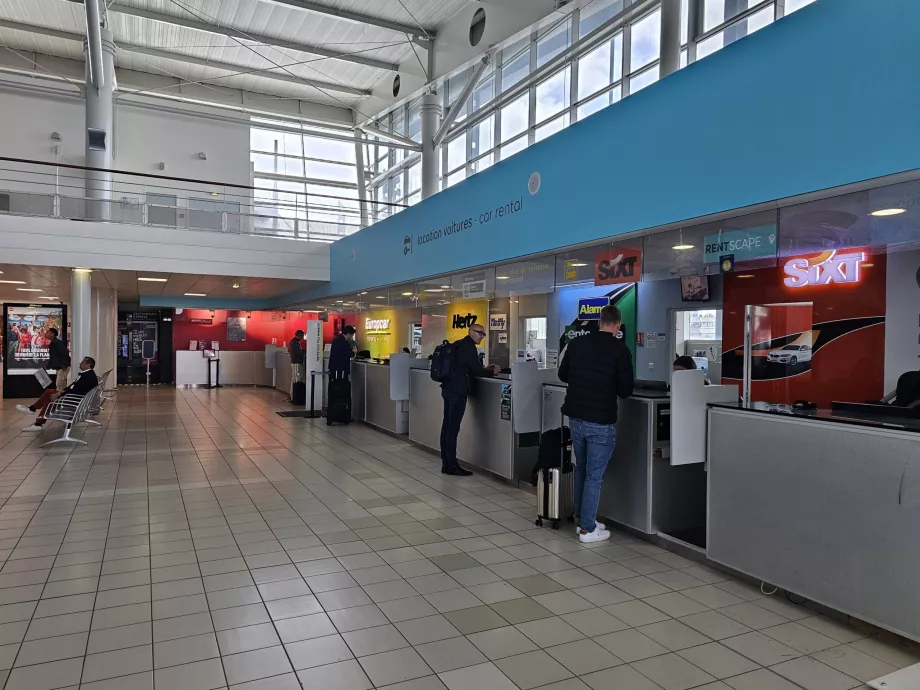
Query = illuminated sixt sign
x=824 y=269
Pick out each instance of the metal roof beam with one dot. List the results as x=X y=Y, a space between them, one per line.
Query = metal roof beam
x=356 y=17
x=155 y=52
x=248 y=36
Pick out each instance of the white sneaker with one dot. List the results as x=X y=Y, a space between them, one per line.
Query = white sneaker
x=597 y=535
x=600 y=525
x=24 y=409
x=34 y=427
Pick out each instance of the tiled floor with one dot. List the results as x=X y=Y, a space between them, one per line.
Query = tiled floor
x=200 y=542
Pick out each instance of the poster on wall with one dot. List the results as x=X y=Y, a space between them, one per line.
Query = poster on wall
x=236 y=329
x=26 y=336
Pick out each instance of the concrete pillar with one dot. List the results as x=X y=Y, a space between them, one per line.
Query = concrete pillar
x=670 y=38
x=362 y=177
x=100 y=132
x=80 y=318
x=431 y=120
x=104 y=331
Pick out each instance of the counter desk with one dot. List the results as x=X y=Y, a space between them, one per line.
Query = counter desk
x=236 y=368
x=487 y=438
x=822 y=504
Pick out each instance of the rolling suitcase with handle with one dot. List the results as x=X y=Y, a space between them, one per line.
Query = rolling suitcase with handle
x=556 y=486
x=338 y=410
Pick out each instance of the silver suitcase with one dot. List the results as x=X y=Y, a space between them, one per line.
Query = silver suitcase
x=555 y=492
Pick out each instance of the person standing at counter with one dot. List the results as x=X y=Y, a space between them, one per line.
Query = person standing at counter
x=341 y=353
x=597 y=368
x=298 y=358
x=455 y=392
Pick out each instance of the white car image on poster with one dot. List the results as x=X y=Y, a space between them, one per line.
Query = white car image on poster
x=790 y=354
x=26 y=337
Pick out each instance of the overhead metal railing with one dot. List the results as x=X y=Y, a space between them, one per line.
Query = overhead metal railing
x=58 y=190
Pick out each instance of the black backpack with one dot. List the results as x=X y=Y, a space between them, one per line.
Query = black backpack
x=442 y=362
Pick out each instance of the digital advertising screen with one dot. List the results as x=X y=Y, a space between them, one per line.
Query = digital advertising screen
x=26 y=338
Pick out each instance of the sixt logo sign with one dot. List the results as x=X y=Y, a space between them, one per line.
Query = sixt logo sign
x=589 y=309
x=826 y=268
x=618 y=266
x=407 y=245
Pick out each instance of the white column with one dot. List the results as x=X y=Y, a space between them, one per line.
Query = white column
x=80 y=318
x=431 y=120
x=362 y=177
x=100 y=133
x=670 y=38
x=103 y=331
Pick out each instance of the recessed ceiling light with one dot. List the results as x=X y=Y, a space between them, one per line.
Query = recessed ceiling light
x=236 y=286
x=44 y=297
x=196 y=294
x=682 y=247
x=30 y=289
x=407 y=294
x=745 y=275
x=434 y=290
x=153 y=280
x=13 y=282
x=578 y=264
x=888 y=212
x=868 y=265
x=502 y=277
x=445 y=287
x=380 y=297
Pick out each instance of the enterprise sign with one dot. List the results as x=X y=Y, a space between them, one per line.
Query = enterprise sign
x=590 y=309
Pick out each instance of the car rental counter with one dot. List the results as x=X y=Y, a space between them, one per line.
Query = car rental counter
x=824 y=504
x=236 y=369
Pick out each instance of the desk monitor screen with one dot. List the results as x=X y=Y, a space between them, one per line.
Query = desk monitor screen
x=209 y=354
x=694 y=288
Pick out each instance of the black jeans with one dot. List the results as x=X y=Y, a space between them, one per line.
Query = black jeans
x=454 y=407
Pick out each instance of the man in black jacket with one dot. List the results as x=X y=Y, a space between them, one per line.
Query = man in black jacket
x=58 y=359
x=85 y=382
x=298 y=358
x=597 y=368
x=341 y=353
x=466 y=366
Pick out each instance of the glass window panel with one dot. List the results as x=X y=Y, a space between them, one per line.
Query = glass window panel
x=594 y=70
x=482 y=163
x=554 y=42
x=598 y=103
x=456 y=152
x=329 y=149
x=618 y=57
x=514 y=117
x=514 y=147
x=330 y=171
x=734 y=32
x=332 y=205
x=415 y=198
x=415 y=177
x=646 y=41
x=458 y=176
x=279 y=165
x=793 y=5
x=640 y=81
x=482 y=136
x=415 y=121
x=683 y=59
x=596 y=13
x=552 y=127
x=717 y=11
x=515 y=63
x=484 y=92
x=399 y=127
x=684 y=21
x=396 y=187
x=275 y=142
x=553 y=94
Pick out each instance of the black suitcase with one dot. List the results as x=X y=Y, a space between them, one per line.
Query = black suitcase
x=299 y=393
x=338 y=410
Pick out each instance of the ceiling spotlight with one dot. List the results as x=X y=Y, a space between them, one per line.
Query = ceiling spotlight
x=867 y=265
x=445 y=287
x=13 y=282
x=682 y=247
x=153 y=280
x=236 y=286
x=407 y=294
x=380 y=297
x=501 y=277
x=30 y=289
x=434 y=290
x=888 y=212
x=195 y=294
x=578 y=264
x=53 y=298
x=745 y=275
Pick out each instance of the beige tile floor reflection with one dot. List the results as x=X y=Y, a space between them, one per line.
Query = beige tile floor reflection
x=200 y=542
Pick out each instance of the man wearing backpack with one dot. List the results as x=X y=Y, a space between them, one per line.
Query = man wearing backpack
x=454 y=366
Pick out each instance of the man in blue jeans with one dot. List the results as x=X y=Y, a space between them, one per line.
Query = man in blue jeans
x=597 y=368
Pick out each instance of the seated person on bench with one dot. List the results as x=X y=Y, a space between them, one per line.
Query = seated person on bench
x=85 y=382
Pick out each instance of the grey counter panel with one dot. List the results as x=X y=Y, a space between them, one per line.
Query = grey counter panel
x=826 y=510
x=486 y=440
x=380 y=410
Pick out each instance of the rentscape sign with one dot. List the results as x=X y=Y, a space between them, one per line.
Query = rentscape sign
x=745 y=245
